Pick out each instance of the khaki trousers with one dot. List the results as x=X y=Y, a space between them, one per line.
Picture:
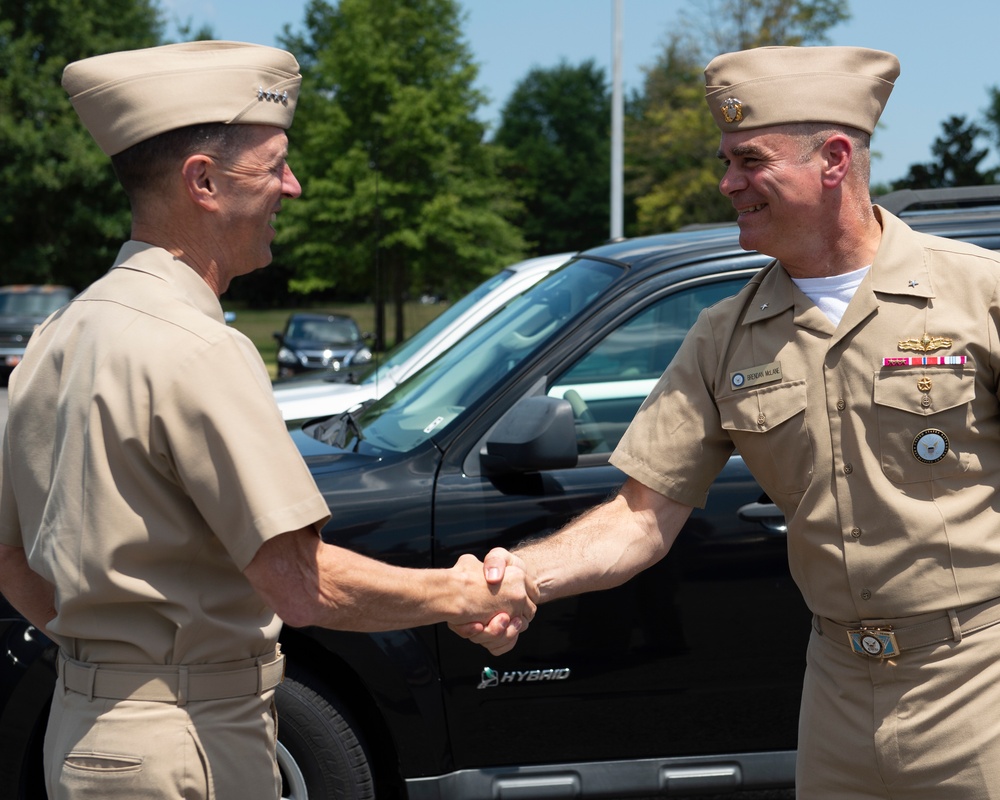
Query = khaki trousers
x=104 y=749
x=922 y=726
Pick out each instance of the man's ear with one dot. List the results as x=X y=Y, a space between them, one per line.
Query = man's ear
x=837 y=153
x=201 y=180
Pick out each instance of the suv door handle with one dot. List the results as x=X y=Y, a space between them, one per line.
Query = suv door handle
x=766 y=515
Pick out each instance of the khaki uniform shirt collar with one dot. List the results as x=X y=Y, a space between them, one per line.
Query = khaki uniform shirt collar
x=898 y=269
x=155 y=261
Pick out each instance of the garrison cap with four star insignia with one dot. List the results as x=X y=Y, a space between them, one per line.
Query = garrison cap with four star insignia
x=130 y=96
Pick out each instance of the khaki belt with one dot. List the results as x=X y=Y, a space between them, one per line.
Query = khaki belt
x=173 y=684
x=888 y=638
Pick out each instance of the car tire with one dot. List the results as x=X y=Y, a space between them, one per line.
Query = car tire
x=320 y=751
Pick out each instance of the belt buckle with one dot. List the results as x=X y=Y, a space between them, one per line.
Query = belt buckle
x=874 y=642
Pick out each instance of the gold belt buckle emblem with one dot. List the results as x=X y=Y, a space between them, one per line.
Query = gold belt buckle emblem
x=874 y=642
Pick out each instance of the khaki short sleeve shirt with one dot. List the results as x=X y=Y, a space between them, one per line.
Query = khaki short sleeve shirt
x=145 y=463
x=878 y=438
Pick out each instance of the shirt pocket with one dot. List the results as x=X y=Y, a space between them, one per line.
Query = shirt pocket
x=905 y=419
x=768 y=427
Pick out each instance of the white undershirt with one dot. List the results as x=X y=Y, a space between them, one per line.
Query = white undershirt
x=833 y=293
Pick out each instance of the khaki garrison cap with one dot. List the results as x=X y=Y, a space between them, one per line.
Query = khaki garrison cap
x=785 y=85
x=128 y=97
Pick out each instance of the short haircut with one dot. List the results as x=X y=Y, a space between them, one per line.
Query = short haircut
x=145 y=167
x=813 y=134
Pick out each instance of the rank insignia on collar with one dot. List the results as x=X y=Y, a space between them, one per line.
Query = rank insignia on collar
x=925 y=344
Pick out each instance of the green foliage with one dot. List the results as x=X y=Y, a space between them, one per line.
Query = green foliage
x=390 y=156
x=62 y=214
x=672 y=171
x=555 y=131
x=956 y=159
x=724 y=26
x=401 y=194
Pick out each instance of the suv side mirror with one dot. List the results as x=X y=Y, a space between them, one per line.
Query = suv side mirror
x=538 y=433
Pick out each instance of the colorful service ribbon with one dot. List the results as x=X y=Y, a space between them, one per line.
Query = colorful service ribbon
x=921 y=361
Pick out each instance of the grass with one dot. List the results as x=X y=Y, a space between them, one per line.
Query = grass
x=259 y=326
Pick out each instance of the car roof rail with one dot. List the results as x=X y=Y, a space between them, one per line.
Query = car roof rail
x=948 y=197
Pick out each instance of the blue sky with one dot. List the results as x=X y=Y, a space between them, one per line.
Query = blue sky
x=948 y=51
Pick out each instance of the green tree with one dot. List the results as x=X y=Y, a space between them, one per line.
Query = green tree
x=556 y=134
x=672 y=170
x=724 y=26
x=396 y=178
x=956 y=159
x=62 y=214
x=992 y=114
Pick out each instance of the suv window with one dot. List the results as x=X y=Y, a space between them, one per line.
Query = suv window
x=608 y=384
x=429 y=401
x=32 y=301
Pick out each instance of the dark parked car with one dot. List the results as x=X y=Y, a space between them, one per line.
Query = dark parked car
x=686 y=680
x=22 y=308
x=312 y=342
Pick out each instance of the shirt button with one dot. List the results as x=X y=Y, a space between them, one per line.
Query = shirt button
x=848 y=469
x=856 y=533
x=761 y=419
x=866 y=594
x=841 y=405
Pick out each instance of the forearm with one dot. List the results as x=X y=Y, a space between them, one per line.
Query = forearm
x=353 y=592
x=606 y=546
x=25 y=589
x=309 y=582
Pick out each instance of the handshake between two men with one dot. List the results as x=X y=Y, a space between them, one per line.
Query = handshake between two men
x=307 y=581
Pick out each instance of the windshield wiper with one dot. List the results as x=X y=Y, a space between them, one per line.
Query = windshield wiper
x=335 y=431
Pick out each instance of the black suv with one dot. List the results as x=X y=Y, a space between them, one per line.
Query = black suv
x=22 y=308
x=686 y=680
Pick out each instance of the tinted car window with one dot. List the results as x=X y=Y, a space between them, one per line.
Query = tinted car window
x=432 y=399
x=608 y=384
x=404 y=351
x=32 y=303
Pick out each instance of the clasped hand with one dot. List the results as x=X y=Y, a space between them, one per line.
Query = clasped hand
x=508 y=606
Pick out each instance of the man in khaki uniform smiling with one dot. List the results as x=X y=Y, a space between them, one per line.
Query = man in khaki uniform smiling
x=858 y=377
x=154 y=513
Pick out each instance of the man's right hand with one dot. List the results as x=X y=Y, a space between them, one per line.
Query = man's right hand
x=499 y=634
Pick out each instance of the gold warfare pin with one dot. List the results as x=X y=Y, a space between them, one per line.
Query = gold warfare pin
x=926 y=344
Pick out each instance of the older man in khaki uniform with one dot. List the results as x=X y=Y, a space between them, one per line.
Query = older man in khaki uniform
x=154 y=513
x=858 y=377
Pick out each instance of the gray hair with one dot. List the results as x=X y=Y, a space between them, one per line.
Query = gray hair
x=142 y=168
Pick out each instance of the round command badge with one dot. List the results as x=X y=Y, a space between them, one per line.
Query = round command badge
x=738 y=379
x=930 y=446
x=872 y=645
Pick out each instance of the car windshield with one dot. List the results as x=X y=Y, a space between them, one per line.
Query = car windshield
x=331 y=330
x=426 y=403
x=32 y=304
x=401 y=354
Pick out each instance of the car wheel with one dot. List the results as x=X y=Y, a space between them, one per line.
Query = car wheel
x=320 y=753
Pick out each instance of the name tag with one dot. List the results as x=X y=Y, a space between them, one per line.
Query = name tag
x=755 y=376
